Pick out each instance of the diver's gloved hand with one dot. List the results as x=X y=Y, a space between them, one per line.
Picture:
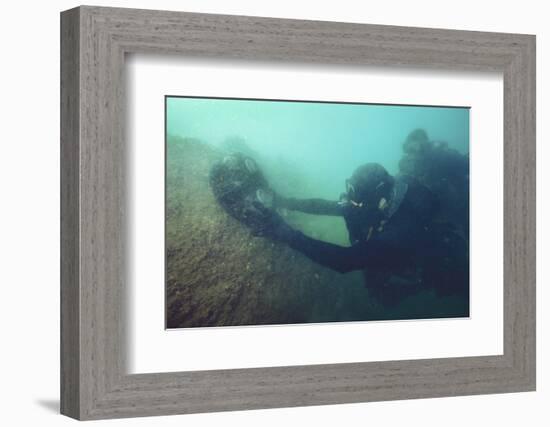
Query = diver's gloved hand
x=279 y=201
x=243 y=192
x=268 y=223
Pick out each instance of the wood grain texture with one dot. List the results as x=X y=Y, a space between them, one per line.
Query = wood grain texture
x=94 y=381
x=70 y=221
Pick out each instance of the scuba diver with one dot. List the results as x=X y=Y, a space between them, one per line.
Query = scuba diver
x=442 y=169
x=393 y=238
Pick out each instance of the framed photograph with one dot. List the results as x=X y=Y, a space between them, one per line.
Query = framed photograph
x=263 y=213
x=217 y=275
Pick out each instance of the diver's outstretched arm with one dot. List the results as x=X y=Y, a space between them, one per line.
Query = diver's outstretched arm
x=340 y=258
x=311 y=206
x=383 y=250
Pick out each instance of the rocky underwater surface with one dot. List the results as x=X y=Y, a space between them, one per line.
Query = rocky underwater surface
x=219 y=274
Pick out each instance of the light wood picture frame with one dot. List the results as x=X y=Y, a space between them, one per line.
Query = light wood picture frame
x=94 y=42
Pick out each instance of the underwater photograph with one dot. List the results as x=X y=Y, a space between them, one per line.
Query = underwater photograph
x=296 y=211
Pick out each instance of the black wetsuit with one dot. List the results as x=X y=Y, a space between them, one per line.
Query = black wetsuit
x=406 y=242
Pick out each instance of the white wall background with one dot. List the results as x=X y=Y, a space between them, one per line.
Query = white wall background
x=29 y=189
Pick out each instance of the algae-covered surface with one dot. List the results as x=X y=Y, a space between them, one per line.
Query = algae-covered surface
x=219 y=274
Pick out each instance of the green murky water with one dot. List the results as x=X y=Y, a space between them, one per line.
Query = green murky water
x=217 y=273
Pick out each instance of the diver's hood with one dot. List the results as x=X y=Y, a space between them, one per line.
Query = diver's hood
x=368 y=184
x=362 y=220
x=417 y=142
